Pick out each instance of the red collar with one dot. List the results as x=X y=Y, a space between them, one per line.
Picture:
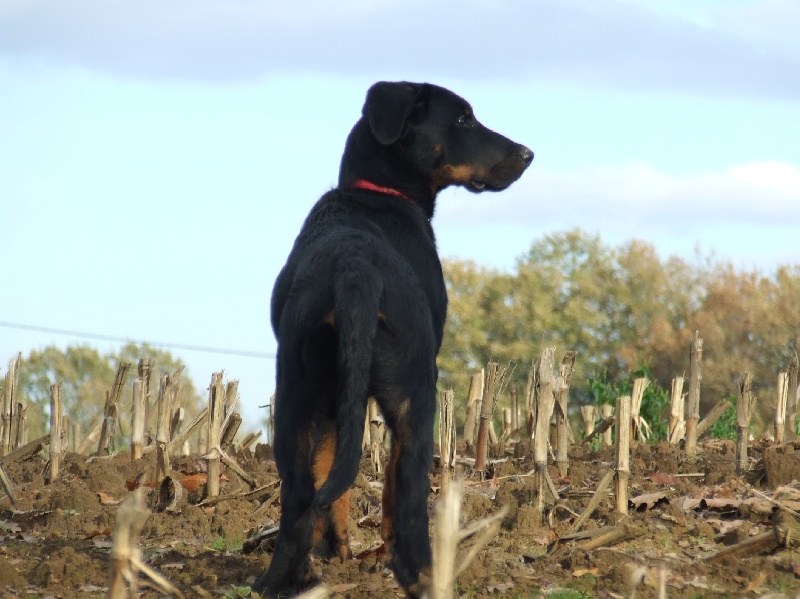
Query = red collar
x=364 y=184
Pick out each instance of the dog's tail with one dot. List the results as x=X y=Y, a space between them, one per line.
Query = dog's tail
x=357 y=293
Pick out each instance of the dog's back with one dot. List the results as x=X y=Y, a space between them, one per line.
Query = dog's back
x=353 y=270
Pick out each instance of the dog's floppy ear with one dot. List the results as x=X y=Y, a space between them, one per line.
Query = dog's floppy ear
x=387 y=108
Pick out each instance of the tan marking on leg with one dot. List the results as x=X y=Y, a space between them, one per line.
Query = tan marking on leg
x=340 y=514
x=320 y=467
x=387 y=499
x=324 y=453
x=319 y=528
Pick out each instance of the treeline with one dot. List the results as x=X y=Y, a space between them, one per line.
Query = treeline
x=622 y=309
x=86 y=376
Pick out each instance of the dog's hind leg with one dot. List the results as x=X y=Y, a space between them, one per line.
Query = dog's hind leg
x=387 y=499
x=289 y=568
x=405 y=526
x=304 y=448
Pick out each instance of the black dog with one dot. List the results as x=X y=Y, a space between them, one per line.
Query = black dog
x=358 y=311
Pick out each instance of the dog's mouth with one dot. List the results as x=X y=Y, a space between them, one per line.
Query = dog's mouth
x=500 y=176
x=479 y=185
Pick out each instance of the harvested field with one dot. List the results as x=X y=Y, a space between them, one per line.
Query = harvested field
x=683 y=512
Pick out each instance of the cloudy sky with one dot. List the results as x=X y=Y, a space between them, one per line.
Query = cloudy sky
x=157 y=158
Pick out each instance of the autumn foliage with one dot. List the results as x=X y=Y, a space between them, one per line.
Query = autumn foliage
x=621 y=309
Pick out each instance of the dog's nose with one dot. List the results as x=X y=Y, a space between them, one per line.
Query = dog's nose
x=525 y=155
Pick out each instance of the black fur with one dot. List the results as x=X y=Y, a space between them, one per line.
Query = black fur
x=359 y=310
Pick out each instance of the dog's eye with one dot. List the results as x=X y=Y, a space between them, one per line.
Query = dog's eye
x=465 y=120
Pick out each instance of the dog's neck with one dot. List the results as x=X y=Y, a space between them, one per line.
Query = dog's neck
x=385 y=167
x=364 y=184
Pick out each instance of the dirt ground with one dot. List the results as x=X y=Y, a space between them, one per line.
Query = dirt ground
x=683 y=511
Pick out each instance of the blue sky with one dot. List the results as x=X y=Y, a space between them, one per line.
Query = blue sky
x=157 y=159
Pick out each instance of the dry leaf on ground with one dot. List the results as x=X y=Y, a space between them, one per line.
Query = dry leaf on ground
x=106 y=499
x=661 y=478
x=648 y=501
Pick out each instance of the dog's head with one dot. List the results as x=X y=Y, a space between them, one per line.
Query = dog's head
x=433 y=133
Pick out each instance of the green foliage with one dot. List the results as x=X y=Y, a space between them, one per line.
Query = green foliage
x=238 y=592
x=223 y=543
x=655 y=400
x=570 y=291
x=725 y=426
x=619 y=307
x=86 y=375
x=602 y=390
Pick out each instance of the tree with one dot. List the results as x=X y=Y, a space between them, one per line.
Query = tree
x=621 y=309
x=165 y=363
x=86 y=376
x=655 y=301
x=566 y=296
x=466 y=345
x=748 y=321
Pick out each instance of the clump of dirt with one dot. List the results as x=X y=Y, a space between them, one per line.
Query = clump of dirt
x=683 y=511
x=782 y=465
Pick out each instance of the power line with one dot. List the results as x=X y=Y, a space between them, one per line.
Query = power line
x=99 y=337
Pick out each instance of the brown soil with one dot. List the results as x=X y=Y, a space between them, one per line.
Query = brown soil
x=58 y=543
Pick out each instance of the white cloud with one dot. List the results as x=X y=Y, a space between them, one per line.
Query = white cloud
x=758 y=194
x=602 y=42
x=774 y=23
x=745 y=214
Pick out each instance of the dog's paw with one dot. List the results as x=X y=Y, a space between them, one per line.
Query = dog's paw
x=422 y=587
